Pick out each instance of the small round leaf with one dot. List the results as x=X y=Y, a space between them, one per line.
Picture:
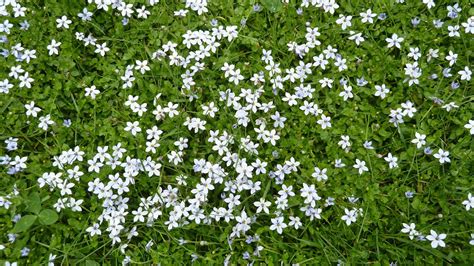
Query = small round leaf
x=48 y=217
x=24 y=223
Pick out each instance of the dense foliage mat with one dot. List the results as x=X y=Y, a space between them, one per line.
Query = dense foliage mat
x=309 y=132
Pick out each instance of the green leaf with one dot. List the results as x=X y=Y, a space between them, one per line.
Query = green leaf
x=48 y=217
x=33 y=203
x=91 y=263
x=24 y=223
x=272 y=5
x=75 y=223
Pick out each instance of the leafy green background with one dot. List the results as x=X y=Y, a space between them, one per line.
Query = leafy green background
x=376 y=239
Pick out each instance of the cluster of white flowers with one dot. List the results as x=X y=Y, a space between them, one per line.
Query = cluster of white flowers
x=206 y=42
x=437 y=240
x=397 y=115
x=235 y=165
x=15 y=164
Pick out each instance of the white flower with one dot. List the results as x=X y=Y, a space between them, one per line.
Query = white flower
x=325 y=121
x=210 y=109
x=75 y=205
x=419 y=140
x=92 y=92
x=360 y=165
x=51 y=259
x=295 y=222
x=368 y=145
x=101 y=49
x=53 y=47
x=86 y=15
x=469 y=25
x=329 y=6
x=408 y=109
x=410 y=230
x=133 y=127
x=171 y=110
x=465 y=73
x=443 y=156
x=394 y=41
x=63 y=22
x=94 y=230
x=469 y=203
x=326 y=82
x=432 y=53
x=142 y=66
x=448 y=107
x=262 y=205
x=381 y=91
x=235 y=76
x=408 y=227
x=429 y=3
x=414 y=53
x=125 y=9
x=19 y=162
x=31 y=109
x=344 y=142
x=368 y=16
x=392 y=161
x=278 y=224
x=452 y=58
x=470 y=126
x=181 y=13
x=357 y=37
x=45 y=121
x=320 y=174
x=25 y=80
x=344 y=21
x=232 y=200
x=436 y=240
x=453 y=31
x=350 y=216
x=15 y=71
x=142 y=12
x=346 y=93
